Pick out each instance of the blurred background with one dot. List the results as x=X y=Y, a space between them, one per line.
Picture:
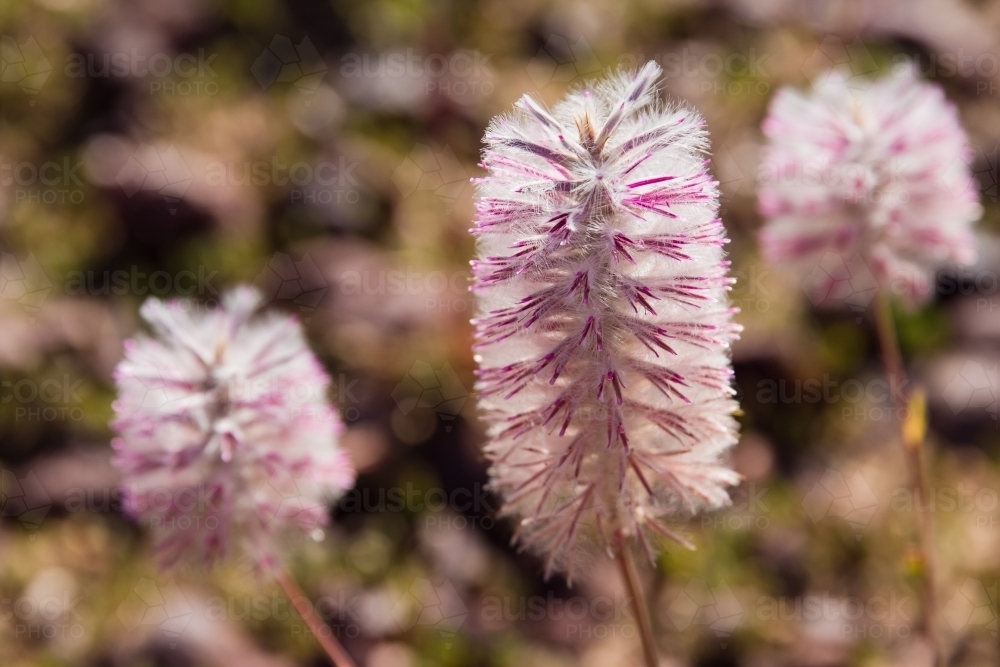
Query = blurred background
x=322 y=150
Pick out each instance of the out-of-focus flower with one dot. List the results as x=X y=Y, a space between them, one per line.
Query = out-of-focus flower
x=604 y=330
x=225 y=432
x=880 y=173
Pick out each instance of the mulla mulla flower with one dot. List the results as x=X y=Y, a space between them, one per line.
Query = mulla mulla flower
x=603 y=327
x=877 y=178
x=225 y=433
x=879 y=175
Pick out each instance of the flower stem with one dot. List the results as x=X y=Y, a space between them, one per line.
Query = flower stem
x=913 y=426
x=639 y=608
x=319 y=630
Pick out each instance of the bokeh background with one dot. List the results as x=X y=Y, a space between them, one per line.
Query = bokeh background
x=322 y=150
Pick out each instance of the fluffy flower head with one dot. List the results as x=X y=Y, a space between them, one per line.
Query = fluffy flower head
x=877 y=176
x=603 y=327
x=225 y=432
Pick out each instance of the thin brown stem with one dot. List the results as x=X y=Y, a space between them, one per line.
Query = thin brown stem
x=889 y=342
x=316 y=626
x=627 y=566
x=912 y=426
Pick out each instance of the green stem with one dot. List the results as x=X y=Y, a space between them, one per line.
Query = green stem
x=913 y=447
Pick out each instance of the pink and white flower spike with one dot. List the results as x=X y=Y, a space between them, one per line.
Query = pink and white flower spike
x=879 y=176
x=603 y=327
x=225 y=431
